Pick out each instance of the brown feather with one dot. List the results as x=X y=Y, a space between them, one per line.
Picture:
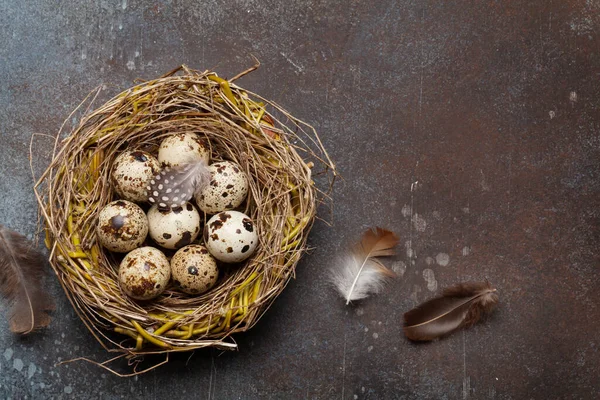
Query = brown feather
x=377 y=242
x=460 y=306
x=21 y=270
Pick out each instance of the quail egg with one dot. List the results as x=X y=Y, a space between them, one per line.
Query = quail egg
x=228 y=188
x=144 y=273
x=122 y=226
x=175 y=227
x=132 y=171
x=230 y=236
x=183 y=148
x=194 y=270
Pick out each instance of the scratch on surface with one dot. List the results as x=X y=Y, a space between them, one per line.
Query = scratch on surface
x=344 y=366
x=299 y=68
x=419 y=223
x=484 y=186
x=550 y=19
x=422 y=66
x=509 y=180
x=328 y=83
x=356 y=73
x=466 y=379
x=413 y=187
x=541 y=37
x=154 y=388
x=213 y=376
x=421 y=94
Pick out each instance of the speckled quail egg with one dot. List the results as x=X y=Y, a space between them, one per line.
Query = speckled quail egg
x=230 y=236
x=228 y=188
x=175 y=227
x=144 y=273
x=132 y=171
x=122 y=226
x=183 y=148
x=194 y=270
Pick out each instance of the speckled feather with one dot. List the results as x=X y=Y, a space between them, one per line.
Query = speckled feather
x=175 y=186
x=21 y=270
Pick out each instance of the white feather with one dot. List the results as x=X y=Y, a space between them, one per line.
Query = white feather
x=359 y=273
x=357 y=279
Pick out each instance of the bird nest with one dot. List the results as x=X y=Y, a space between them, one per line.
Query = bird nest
x=278 y=153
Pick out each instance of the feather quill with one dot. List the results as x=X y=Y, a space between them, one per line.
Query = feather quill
x=21 y=270
x=460 y=306
x=173 y=187
x=361 y=273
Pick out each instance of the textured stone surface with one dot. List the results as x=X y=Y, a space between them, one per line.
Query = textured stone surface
x=470 y=128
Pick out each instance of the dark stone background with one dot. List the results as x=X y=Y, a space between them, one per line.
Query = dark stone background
x=488 y=110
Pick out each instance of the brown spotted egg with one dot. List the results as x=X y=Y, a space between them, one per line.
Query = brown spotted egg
x=228 y=188
x=144 y=273
x=183 y=148
x=194 y=270
x=230 y=236
x=122 y=226
x=132 y=172
x=175 y=227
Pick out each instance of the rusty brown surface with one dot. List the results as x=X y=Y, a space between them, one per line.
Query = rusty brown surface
x=469 y=128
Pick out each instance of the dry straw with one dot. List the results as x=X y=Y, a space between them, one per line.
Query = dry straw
x=277 y=151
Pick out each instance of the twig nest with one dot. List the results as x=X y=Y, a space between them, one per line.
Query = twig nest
x=183 y=148
x=227 y=190
x=122 y=226
x=230 y=236
x=144 y=273
x=178 y=118
x=194 y=270
x=175 y=227
x=131 y=174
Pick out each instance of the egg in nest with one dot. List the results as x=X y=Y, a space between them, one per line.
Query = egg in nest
x=228 y=188
x=183 y=148
x=175 y=227
x=194 y=270
x=230 y=236
x=122 y=226
x=132 y=171
x=144 y=273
